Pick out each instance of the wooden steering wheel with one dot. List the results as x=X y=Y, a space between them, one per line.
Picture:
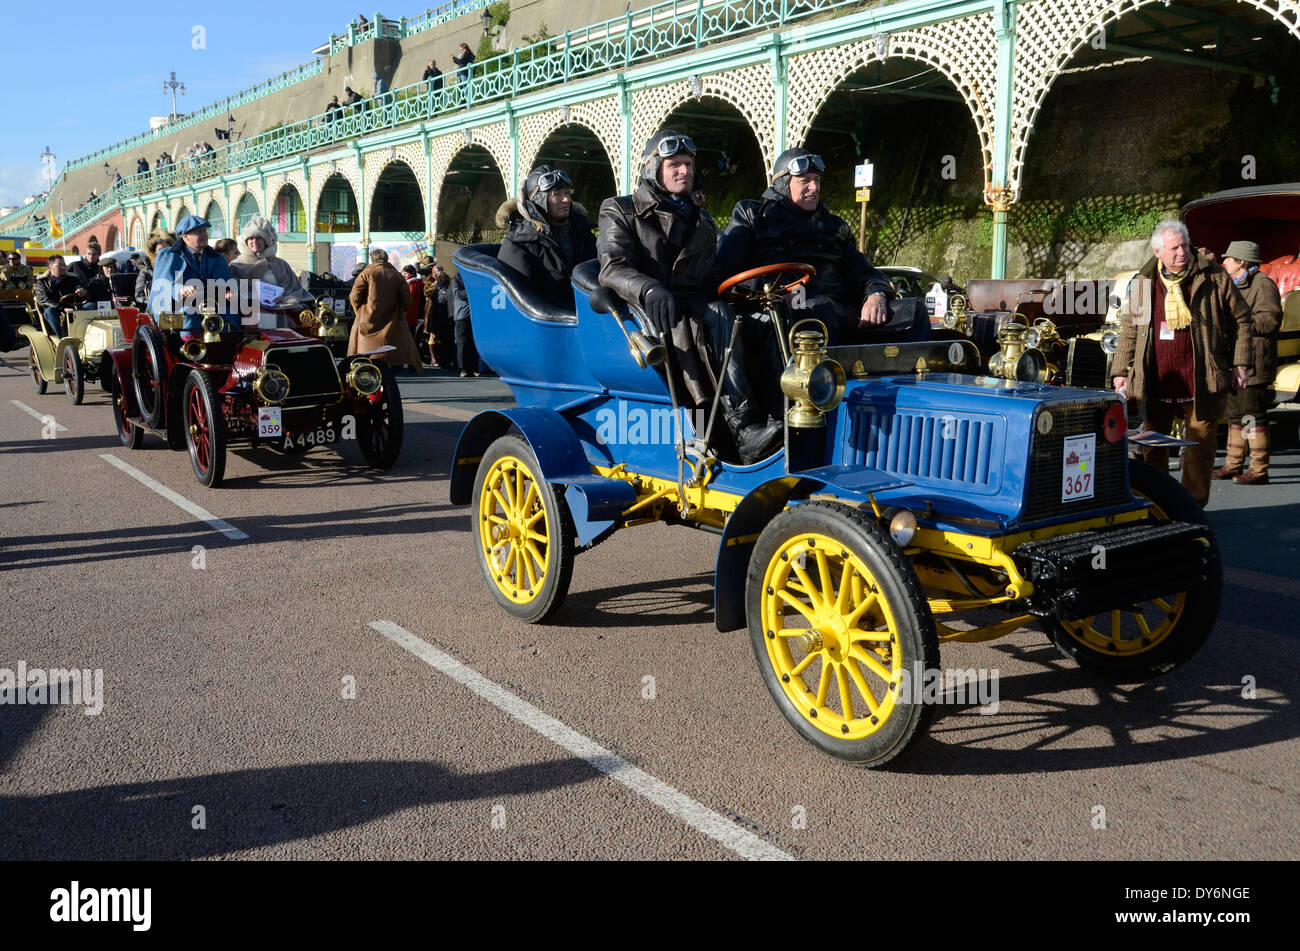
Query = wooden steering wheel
x=730 y=291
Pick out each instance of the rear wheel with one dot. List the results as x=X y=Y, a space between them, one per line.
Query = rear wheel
x=205 y=430
x=1145 y=640
x=837 y=620
x=38 y=381
x=130 y=435
x=149 y=370
x=74 y=378
x=380 y=431
x=523 y=532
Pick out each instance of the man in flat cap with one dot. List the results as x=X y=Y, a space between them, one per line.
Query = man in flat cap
x=1248 y=407
x=186 y=277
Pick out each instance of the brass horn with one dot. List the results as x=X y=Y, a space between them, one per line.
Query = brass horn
x=194 y=350
x=644 y=350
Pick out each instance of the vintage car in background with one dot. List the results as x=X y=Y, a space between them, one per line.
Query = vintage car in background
x=913 y=282
x=1269 y=215
x=912 y=496
x=1040 y=331
x=269 y=387
x=77 y=355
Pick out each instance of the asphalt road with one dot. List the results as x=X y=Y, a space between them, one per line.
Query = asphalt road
x=338 y=684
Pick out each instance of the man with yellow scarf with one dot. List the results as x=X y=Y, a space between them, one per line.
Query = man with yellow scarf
x=1182 y=349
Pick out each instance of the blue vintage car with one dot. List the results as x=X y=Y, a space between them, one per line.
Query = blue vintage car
x=914 y=502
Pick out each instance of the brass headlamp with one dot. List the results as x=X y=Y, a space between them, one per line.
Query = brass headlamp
x=365 y=377
x=813 y=382
x=330 y=325
x=1017 y=360
x=193 y=350
x=271 y=386
x=956 y=318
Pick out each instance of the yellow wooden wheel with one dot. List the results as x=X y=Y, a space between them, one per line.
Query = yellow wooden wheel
x=523 y=532
x=838 y=624
x=1143 y=640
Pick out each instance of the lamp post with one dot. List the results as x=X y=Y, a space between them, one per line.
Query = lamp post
x=486 y=19
x=173 y=84
x=48 y=161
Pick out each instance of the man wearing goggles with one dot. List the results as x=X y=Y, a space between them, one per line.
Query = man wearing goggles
x=790 y=223
x=656 y=249
x=546 y=234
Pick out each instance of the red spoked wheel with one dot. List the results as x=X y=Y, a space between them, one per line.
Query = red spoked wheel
x=205 y=430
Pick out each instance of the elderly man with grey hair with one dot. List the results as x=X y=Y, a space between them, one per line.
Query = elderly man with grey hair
x=1183 y=349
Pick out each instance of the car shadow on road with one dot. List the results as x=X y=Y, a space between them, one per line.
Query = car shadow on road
x=61 y=444
x=1062 y=718
x=253 y=808
x=686 y=600
x=89 y=547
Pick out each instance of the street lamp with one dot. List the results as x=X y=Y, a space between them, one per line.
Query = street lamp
x=173 y=84
x=486 y=18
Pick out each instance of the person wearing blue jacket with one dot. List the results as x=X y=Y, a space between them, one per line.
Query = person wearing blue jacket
x=185 y=278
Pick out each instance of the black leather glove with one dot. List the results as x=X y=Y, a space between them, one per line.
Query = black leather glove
x=661 y=310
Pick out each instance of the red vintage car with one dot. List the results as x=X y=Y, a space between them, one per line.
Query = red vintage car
x=275 y=388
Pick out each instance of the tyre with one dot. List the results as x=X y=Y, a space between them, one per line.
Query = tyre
x=524 y=537
x=130 y=435
x=38 y=381
x=380 y=431
x=836 y=616
x=205 y=430
x=74 y=377
x=1154 y=637
x=149 y=370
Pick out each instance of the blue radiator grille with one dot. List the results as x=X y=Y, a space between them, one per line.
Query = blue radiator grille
x=924 y=446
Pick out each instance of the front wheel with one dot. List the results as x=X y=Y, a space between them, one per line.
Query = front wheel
x=205 y=430
x=523 y=533
x=1145 y=640
x=130 y=435
x=380 y=431
x=74 y=378
x=842 y=632
x=38 y=381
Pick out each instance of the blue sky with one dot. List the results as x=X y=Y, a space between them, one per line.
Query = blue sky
x=79 y=76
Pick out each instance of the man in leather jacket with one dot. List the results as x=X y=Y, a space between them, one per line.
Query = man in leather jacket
x=791 y=223
x=657 y=250
x=546 y=234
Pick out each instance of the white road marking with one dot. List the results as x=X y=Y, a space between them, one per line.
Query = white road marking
x=39 y=416
x=675 y=803
x=198 y=511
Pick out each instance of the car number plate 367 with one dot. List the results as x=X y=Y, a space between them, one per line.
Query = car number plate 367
x=268 y=422
x=1078 y=467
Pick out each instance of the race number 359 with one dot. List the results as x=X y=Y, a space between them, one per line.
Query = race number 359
x=1078 y=469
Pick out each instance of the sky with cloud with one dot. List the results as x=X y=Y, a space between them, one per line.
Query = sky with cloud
x=86 y=75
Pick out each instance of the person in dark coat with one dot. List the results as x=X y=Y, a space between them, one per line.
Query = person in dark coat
x=462 y=61
x=657 y=250
x=1248 y=407
x=438 y=318
x=790 y=222
x=546 y=234
x=433 y=76
x=88 y=273
x=466 y=352
x=1187 y=348
x=57 y=290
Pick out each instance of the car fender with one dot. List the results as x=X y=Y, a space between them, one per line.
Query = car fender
x=594 y=502
x=42 y=351
x=853 y=484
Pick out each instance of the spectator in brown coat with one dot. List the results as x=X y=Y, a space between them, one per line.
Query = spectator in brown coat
x=380 y=298
x=1248 y=408
x=1187 y=349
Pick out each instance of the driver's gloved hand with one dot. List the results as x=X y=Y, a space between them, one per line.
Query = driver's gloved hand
x=661 y=310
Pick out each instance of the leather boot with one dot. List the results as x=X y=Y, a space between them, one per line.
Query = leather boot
x=756 y=436
x=1236 y=452
x=1258 y=452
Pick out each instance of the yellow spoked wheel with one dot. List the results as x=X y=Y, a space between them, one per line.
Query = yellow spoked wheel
x=839 y=625
x=523 y=532
x=1144 y=640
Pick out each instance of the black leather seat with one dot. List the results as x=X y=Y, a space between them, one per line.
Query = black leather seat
x=483 y=258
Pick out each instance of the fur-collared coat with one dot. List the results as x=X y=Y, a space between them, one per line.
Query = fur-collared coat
x=380 y=297
x=266 y=266
x=531 y=249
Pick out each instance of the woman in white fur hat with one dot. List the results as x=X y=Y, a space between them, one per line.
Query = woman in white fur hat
x=257 y=261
